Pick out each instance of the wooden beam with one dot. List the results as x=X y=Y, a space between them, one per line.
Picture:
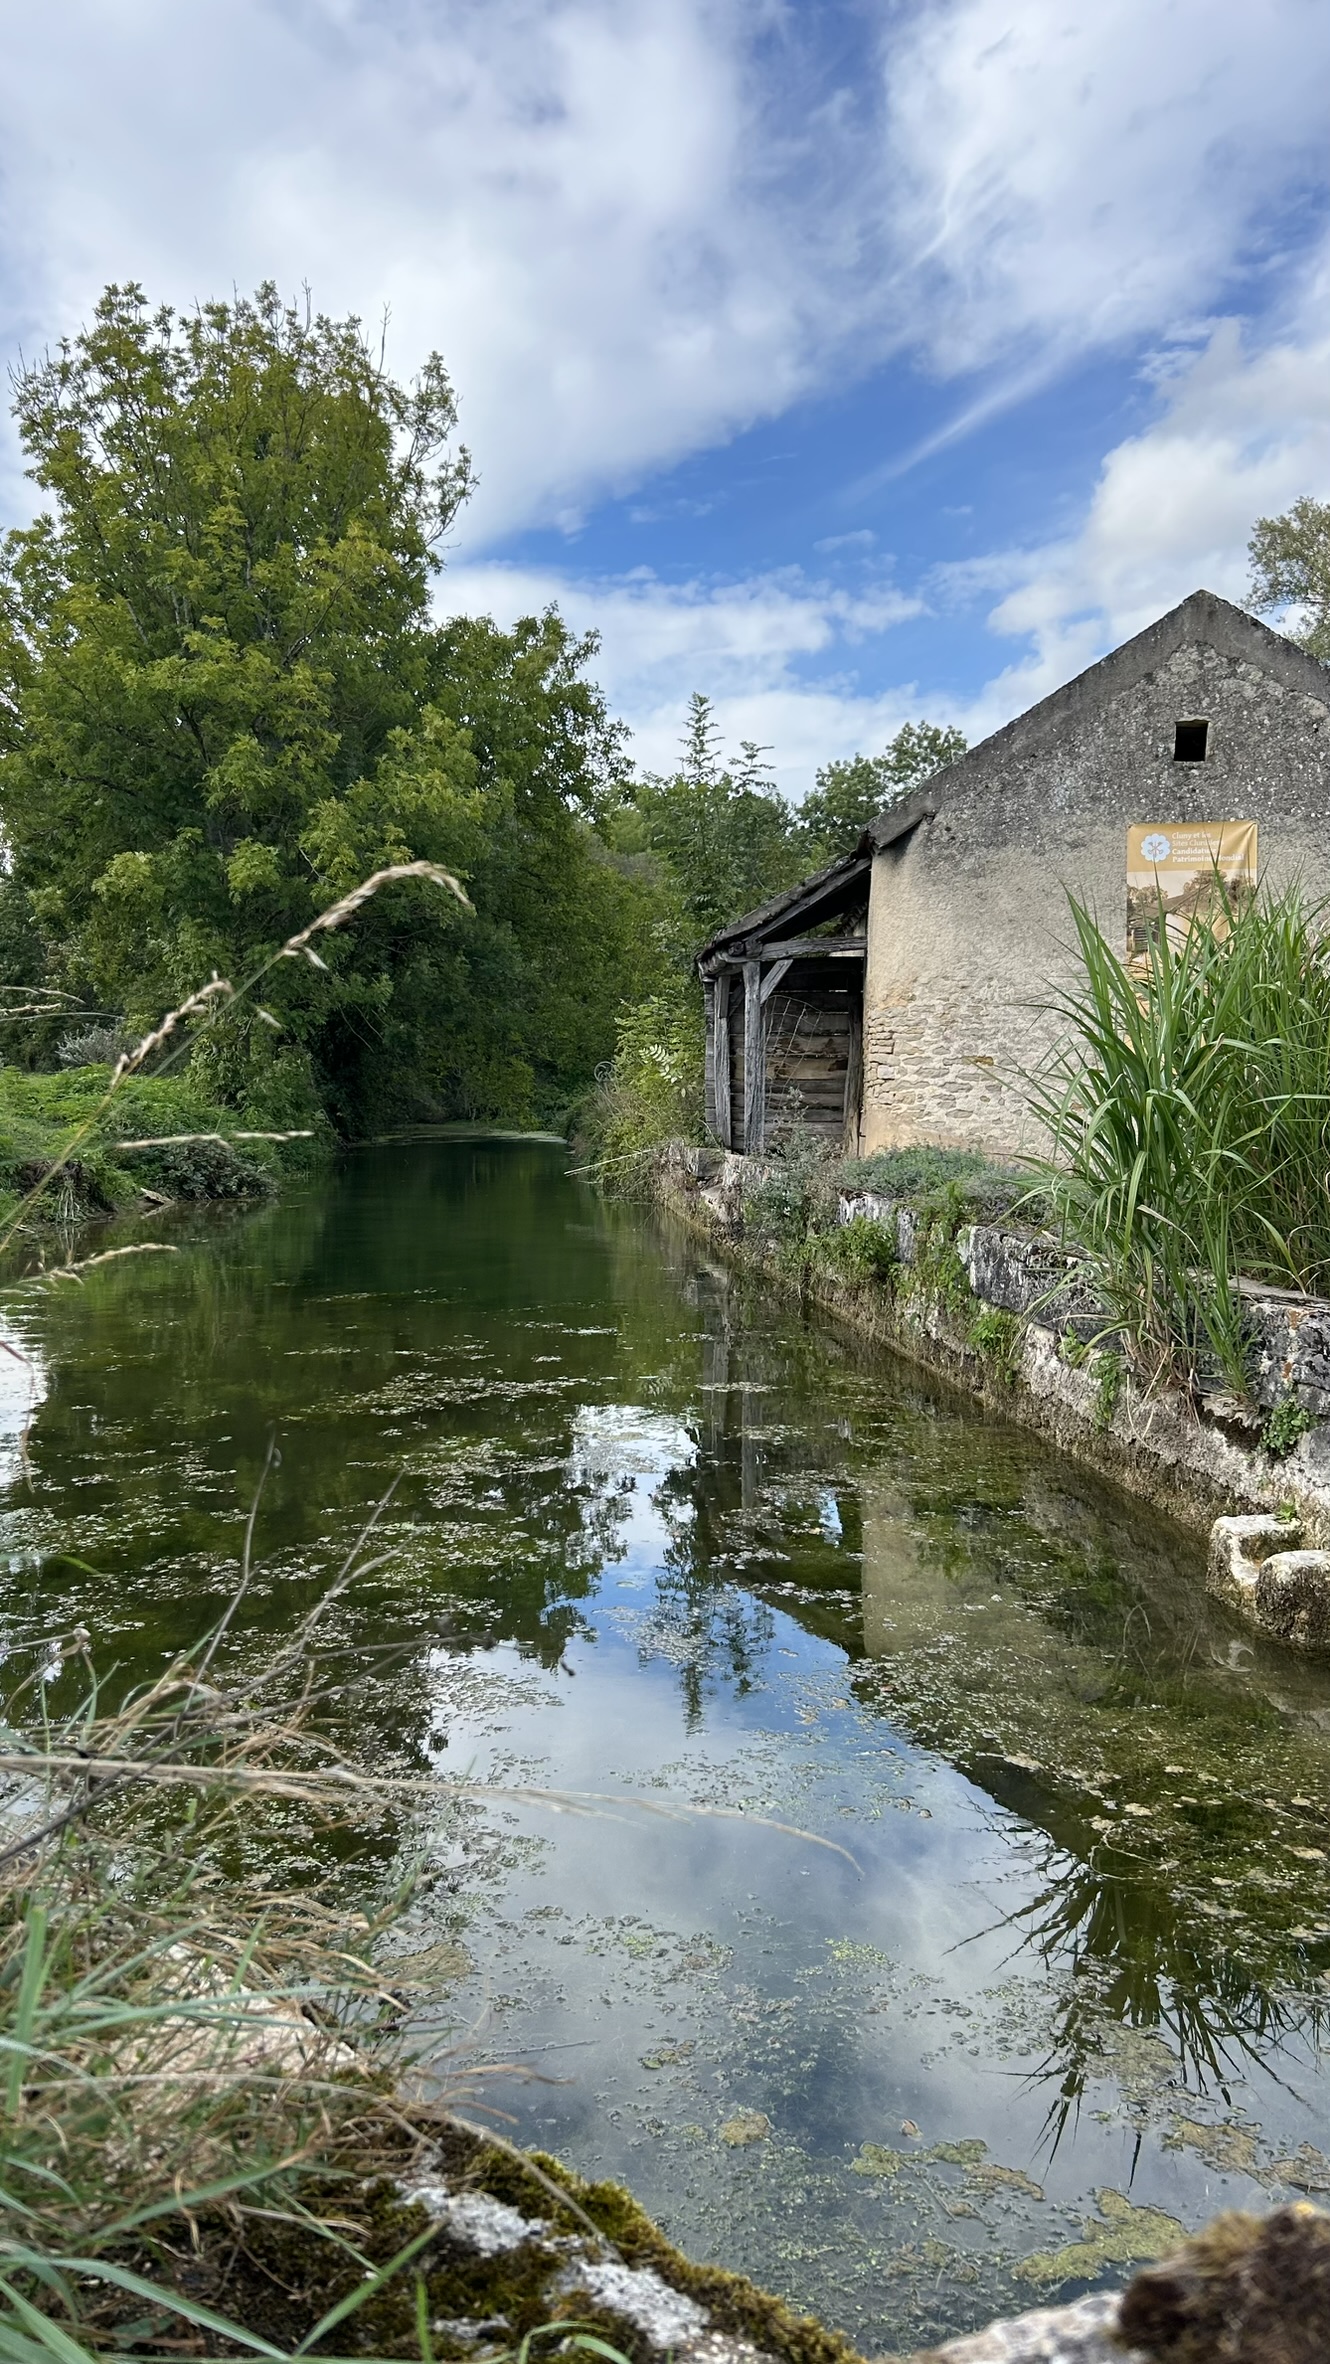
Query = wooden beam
x=854 y=1080
x=773 y=977
x=755 y=1061
x=720 y=1011
x=709 y=1087
x=816 y=948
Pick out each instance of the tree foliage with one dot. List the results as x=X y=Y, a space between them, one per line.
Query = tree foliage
x=223 y=698
x=852 y=792
x=1290 y=562
x=716 y=839
x=721 y=837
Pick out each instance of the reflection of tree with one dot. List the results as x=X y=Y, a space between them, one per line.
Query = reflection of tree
x=1094 y=1664
x=743 y=1508
x=435 y=1318
x=1128 y=1955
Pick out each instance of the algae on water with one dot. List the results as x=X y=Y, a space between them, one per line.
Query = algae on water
x=1121 y=2235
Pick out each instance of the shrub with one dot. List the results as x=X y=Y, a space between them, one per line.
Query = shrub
x=860 y=1251
x=95 y=1046
x=1286 y=1427
x=997 y=1337
x=795 y=1202
x=653 y=1089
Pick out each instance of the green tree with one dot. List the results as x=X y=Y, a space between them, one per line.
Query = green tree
x=723 y=838
x=222 y=698
x=852 y=792
x=1290 y=563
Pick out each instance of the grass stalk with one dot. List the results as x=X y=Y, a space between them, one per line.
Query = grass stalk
x=1188 y=1115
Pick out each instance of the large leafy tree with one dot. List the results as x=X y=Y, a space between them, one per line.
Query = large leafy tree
x=1290 y=563
x=223 y=698
x=724 y=838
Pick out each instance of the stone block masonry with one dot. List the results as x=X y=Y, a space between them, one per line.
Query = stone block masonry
x=970 y=935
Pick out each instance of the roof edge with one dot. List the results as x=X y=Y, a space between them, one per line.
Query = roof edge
x=753 y=923
x=1202 y=616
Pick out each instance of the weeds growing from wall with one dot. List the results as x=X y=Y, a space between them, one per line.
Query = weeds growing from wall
x=997 y=1337
x=1287 y=1425
x=862 y=1252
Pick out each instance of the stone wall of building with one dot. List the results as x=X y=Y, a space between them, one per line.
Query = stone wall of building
x=970 y=934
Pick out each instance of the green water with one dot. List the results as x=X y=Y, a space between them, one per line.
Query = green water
x=660 y=1538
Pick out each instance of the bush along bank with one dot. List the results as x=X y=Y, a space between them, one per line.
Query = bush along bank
x=191 y=1149
x=949 y=1261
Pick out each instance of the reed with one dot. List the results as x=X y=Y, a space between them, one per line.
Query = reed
x=1188 y=1116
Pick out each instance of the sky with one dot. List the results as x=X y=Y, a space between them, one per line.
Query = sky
x=849 y=360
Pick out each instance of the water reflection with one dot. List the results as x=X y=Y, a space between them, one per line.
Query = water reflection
x=658 y=1535
x=994 y=1589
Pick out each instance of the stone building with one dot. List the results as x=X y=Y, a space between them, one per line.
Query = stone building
x=899 y=996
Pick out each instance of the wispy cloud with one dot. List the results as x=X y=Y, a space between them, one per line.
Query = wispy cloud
x=636 y=227
x=1067 y=177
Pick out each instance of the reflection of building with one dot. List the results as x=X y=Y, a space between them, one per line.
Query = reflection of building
x=897 y=996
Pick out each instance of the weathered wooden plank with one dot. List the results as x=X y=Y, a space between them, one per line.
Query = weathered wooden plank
x=854 y=1080
x=816 y=948
x=755 y=1078
x=720 y=1082
x=773 y=978
x=709 y=1077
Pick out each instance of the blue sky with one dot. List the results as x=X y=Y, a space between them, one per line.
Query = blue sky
x=848 y=359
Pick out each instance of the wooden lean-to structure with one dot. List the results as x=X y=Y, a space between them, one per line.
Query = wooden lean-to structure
x=785 y=1001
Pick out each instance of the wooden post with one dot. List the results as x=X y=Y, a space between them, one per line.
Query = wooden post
x=720 y=1010
x=709 y=1089
x=755 y=1061
x=854 y=1078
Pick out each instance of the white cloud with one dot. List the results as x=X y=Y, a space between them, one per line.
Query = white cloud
x=634 y=226
x=743 y=643
x=566 y=197
x=1065 y=176
x=1241 y=434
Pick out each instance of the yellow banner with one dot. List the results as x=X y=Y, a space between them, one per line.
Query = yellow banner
x=1190 y=872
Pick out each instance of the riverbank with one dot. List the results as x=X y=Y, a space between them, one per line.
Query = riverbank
x=997 y=1308
x=159 y=1140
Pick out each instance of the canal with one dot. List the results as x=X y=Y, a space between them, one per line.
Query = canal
x=957 y=1921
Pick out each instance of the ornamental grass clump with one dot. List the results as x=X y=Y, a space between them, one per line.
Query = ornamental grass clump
x=1189 y=1118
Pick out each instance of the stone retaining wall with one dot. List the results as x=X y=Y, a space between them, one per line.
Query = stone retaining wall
x=1059 y=1373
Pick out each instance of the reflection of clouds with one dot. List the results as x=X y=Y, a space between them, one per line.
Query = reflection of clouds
x=610 y=1440
x=619 y=1454
x=23 y=1387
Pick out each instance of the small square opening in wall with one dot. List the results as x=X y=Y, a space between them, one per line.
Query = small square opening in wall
x=1189 y=741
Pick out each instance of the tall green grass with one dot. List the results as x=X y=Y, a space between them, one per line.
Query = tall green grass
x=1189 y=1122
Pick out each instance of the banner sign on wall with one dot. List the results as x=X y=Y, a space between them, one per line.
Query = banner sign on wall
x=1188 y=871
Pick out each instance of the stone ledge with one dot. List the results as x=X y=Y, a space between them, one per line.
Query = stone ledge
x=1081 y=2334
